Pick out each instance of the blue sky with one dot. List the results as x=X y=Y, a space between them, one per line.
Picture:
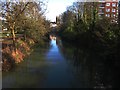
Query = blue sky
x=56 y=7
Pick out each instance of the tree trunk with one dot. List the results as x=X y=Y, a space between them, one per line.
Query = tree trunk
x=25 y=36
x=13 y=36
x=94 y=16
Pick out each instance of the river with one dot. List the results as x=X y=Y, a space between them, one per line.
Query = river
x=60 y=66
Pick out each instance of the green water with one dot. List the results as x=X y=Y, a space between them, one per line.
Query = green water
x=60 y=66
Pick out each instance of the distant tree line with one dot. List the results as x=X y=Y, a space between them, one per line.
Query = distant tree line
x=81 y=24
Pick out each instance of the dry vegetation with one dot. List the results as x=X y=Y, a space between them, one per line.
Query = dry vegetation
x=10 y=57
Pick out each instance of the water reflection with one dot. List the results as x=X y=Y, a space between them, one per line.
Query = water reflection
x=54 y=52
x=97 y=68
x=53 y=46
x=59 y=73
x=63 y=66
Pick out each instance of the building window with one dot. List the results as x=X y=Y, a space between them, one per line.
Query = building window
x=114 y=0
x=101 y=11
x=107 y=4
x=100 y=15
x=107 y=15
x=114 y=4
x=101 y=0
x=113 y=15
x=101 y=5
x=117 y=5
x=108 y=10
x=113 y=10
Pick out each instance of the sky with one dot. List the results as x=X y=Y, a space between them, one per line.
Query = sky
x=56 y=7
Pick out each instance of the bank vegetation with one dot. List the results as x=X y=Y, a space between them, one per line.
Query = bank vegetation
x=26 y=26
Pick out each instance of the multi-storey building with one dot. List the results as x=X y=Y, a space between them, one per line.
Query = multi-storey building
x=108 y=8
x=119 y=12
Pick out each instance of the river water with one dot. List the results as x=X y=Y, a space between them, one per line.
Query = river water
x=60 y=66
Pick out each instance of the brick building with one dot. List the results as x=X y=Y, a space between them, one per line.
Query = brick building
x=108 y=8
x=119 y=12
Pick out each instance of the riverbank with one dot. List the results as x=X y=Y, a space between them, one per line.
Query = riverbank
x=10 y=57
x=103 y=65
x=108 y=54
x=43 y=68
x=62 y=66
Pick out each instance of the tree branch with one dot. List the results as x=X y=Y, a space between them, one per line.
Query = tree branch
x=22 y=10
